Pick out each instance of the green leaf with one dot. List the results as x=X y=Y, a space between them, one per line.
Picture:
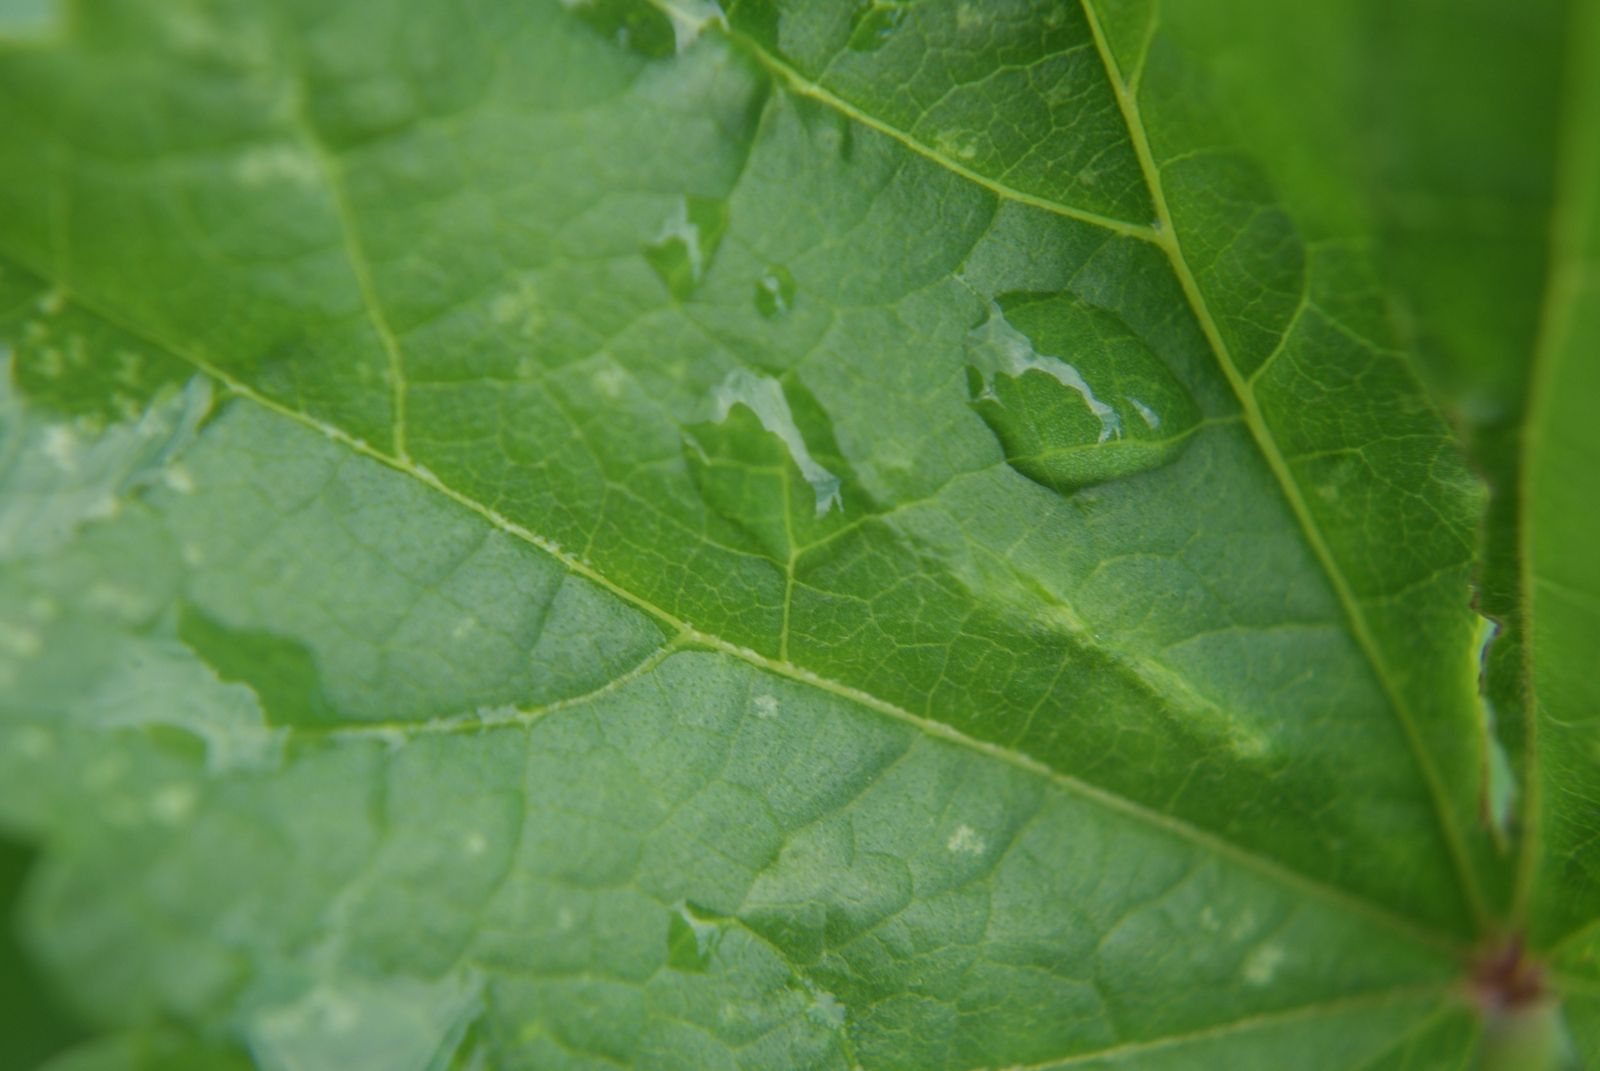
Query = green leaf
x=809 y=535
x=31 y=1026
x=1465 y=187
x=1560 y=579
x=1486 y=252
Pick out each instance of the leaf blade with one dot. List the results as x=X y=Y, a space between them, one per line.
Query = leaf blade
x=610 y=449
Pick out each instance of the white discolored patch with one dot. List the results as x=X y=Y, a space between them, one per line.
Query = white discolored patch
x=403 y=1024
x=965 y=841
x=178 y=479
x=825 y=1007
x=56 y=477
x=828 y=1009
x=267 y=165
x=1262 y=964
x=520 y=307
x=766 y=706
x=173 y=803
x=610 y=381
x=961 y=148
x=1151 y=418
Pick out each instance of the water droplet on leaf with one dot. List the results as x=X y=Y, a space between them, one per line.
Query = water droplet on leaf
x=763 y=458
x=774 y=291
x=763 y=396
x=1073 y=395
x=682 y=252
x=633 y=24
x=689 y=18
x=691 y=939
x=874 y=22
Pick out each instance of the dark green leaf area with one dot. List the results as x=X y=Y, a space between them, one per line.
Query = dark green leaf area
x=1073 y=395
x=282 y=672
x=31 y=1027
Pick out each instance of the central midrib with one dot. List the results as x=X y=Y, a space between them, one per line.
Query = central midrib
x=1167 y=238
x=686 y=634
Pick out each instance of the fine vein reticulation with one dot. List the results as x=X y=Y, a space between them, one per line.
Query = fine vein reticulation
x=521 y=295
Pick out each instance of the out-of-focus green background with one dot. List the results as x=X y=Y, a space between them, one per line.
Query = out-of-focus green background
x=32 y=1026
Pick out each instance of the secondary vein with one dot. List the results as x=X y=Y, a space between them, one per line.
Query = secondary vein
x=804 y=86
x=332 y=171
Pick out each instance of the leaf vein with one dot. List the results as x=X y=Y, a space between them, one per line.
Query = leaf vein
x=1267 y=443
x=1305 y=1011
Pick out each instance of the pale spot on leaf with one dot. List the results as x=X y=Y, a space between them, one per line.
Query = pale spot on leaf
x=1262 y=964
x=965 y=840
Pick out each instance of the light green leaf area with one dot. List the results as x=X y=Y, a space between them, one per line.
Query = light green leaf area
x=683 y=855
x=28 y=20
x=575 y=536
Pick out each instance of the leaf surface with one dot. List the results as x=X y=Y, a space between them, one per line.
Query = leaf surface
x=1560 y=579
x=835 y=537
